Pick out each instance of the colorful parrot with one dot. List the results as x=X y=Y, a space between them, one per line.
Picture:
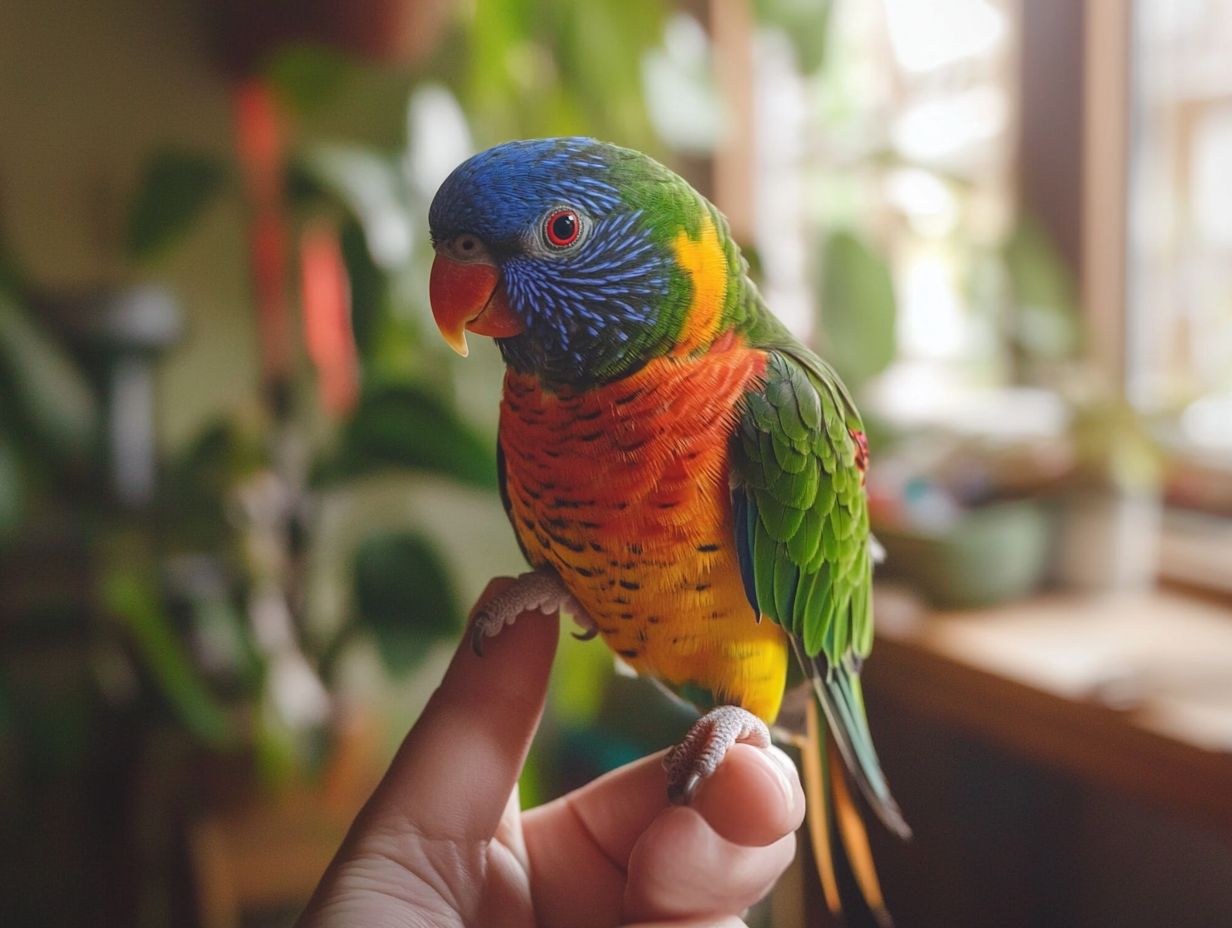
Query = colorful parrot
x=678 y=468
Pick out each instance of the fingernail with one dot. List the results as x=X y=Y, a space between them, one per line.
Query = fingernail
x=784 y=772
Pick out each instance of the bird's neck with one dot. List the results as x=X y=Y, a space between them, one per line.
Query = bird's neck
x=683 y=297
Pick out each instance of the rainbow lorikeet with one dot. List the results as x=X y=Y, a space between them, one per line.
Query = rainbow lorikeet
x=676 y=465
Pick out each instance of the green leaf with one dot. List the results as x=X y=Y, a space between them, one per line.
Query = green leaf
x=307 y=76
x=50 y=392
x=1046 y=324
x=136 y=603
x=371 y=186
x=580 y=678
x=8 y=712
x=12 y=490
x=404 y=596
x=406 y=426
x=858 y=308
x=537 y=69
x=198 y=479
x=806 y=23
x=369 y=287
x=174 y=189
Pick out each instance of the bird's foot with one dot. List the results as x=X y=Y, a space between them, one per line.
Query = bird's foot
x=537 y=591
x=705 y=746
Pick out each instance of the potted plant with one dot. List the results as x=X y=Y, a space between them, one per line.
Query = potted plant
x=1113 y=503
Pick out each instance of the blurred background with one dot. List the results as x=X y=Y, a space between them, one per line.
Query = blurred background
x=247 y=495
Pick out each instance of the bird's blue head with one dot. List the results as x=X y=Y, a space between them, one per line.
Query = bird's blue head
x=568 y=251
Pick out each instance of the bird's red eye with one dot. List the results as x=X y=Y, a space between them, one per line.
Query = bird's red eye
x=562 y=228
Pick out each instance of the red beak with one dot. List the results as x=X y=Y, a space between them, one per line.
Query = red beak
x=469 y=296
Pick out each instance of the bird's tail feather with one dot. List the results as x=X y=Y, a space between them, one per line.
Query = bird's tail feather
x=820 y=805
x=854 y=839
x=838 y=745
x=842 y=699
x=836 y=830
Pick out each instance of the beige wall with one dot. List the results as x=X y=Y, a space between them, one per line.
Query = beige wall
x=87 y=89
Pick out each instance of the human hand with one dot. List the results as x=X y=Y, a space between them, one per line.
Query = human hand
x=442 y=841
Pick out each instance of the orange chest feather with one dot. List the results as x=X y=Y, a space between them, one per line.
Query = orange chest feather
x=640 y=461
x=624 y=491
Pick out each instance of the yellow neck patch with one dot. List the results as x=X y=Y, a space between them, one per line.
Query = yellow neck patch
x=706 y=263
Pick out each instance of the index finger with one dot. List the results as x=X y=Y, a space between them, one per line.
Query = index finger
x=453 y=774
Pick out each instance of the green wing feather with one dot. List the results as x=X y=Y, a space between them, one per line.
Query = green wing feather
x=801 y=518
x=795 y=461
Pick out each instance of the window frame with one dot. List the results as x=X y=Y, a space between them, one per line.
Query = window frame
x=1195 y=542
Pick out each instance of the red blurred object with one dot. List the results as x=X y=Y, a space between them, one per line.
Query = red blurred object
x=259 y=139
x=269 y=258
x=326 y=298
x=246 y=34
x=260 y=147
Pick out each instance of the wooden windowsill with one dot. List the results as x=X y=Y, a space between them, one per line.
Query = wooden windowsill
x=1132 y=693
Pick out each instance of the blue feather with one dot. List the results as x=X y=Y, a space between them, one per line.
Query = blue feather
x=744 y=551
x=588 y=311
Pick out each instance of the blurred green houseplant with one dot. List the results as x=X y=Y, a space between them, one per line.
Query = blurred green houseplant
x=245 y=504
x=188 y=617
x=515 y=69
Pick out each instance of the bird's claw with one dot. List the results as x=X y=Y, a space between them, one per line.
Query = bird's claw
x=681 y=794
x=537 y=591
x=477 y=636
x=705 y=746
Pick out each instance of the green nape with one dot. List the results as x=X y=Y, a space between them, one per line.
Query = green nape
x=671 y=204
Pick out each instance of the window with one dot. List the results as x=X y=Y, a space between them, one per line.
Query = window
x=1179 y=280
x=904 y=137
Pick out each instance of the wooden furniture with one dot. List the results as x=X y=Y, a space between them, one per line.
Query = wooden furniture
x=1063 y=760
x=261 y=852
x=1131 y=694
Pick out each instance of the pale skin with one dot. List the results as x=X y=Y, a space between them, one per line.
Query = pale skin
x=442 y=841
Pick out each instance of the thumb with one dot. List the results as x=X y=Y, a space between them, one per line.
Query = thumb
x=453 y=774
